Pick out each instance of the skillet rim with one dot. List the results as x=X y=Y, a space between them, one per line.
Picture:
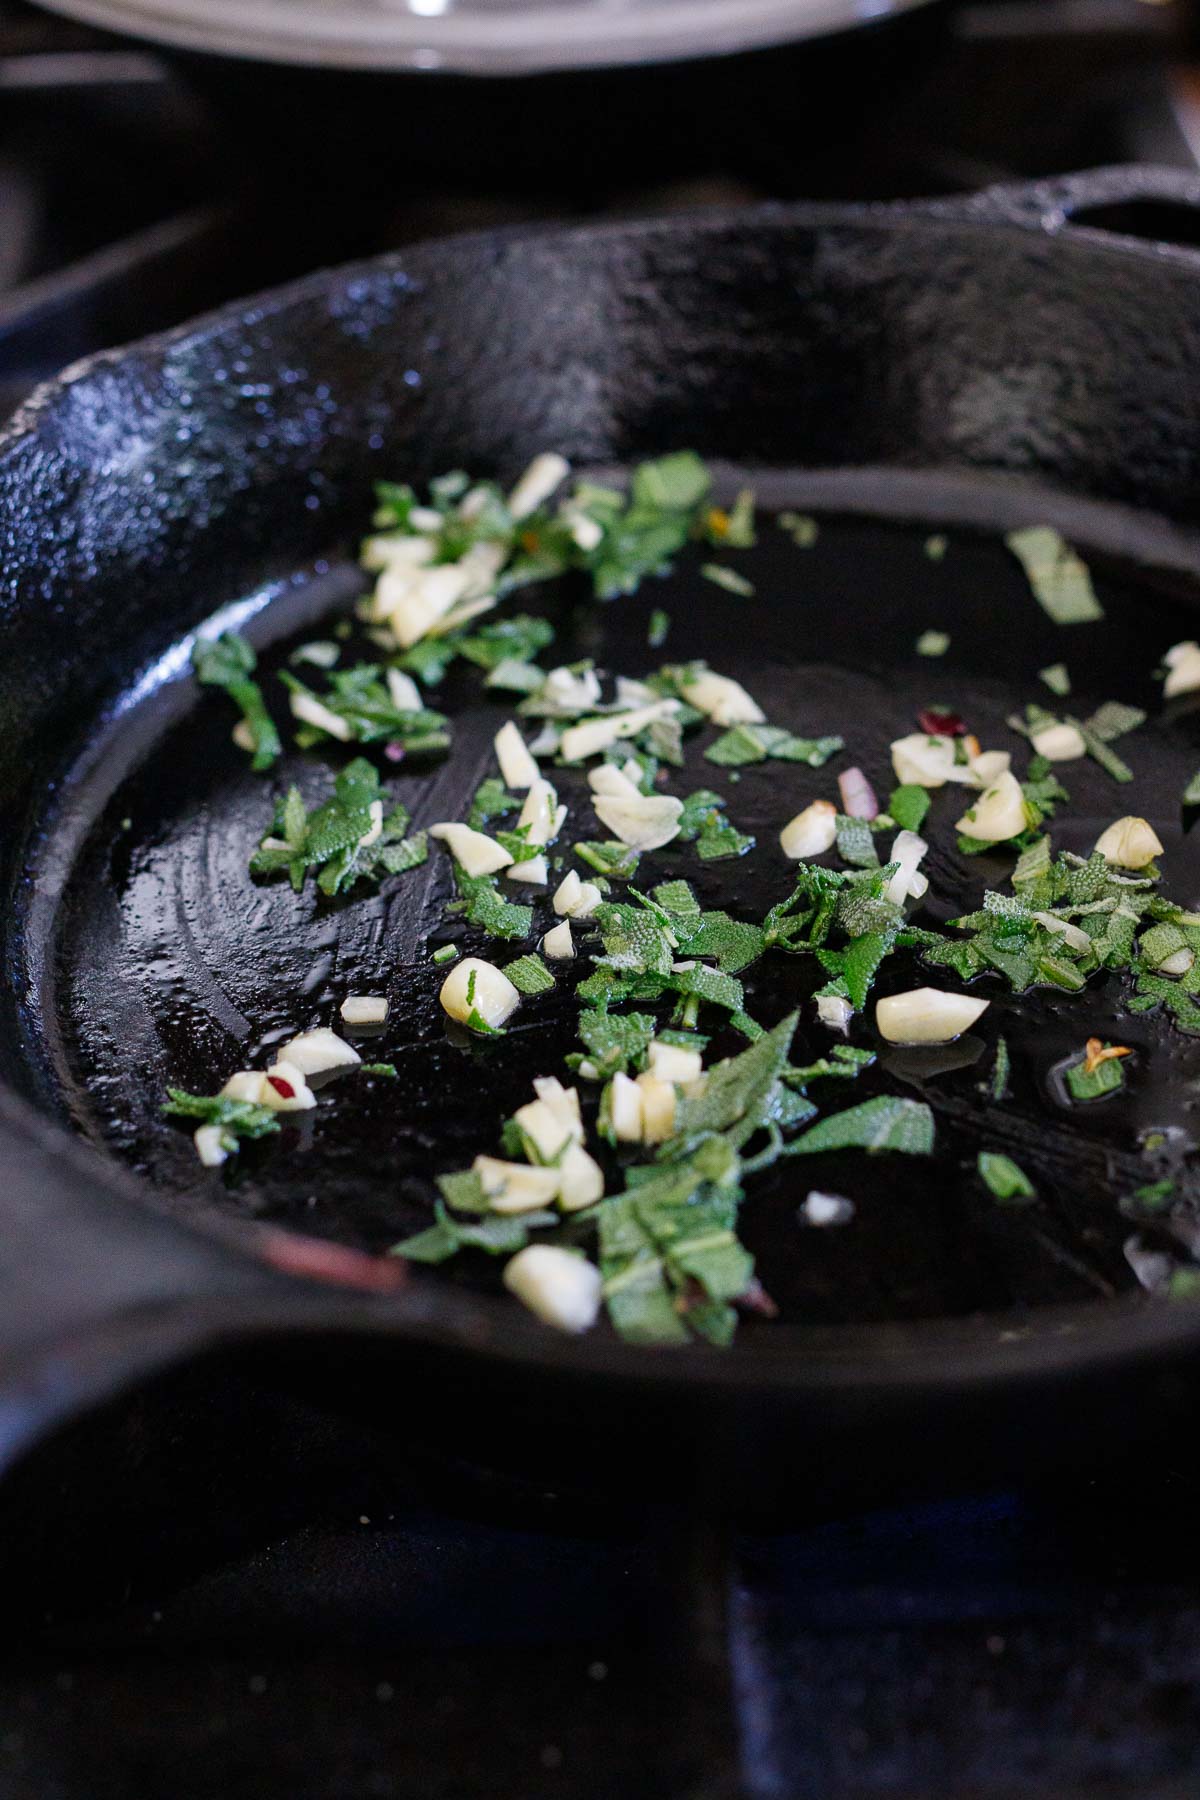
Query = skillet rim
x=997 y=1349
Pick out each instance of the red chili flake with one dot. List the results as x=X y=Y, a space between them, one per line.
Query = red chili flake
x=395 y=751
x=283 y=1088
x=941 y=724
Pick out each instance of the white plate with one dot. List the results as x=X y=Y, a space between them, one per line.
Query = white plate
x=482 y=37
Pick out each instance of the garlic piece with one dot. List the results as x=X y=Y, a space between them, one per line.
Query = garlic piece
x=403 y=692
x=927 y=1016
x=625 y=1109
x=590 y=898
x=722 y=699
x=541 y=815
x=591 y=736
x=284 y=1088
x=1129 y=843
x=811 y=832
x=566 y=894
x=396 y=550
x=562 y=1289
x=1071 y=935
x=1183 y=669
x=835 y=1012
x=673 y=1062
x=580 y=1180
x=1059 y=743
x=827 y=1209
x=987 y=767
x=534 y=869
x=245 y=1085
x=375 y=830
x=517 y=766
x=907 y=883
x=922 y=761
x=608 y=779
x=1179 y=962
x=364 y=1009
x=558 y=944
x=549 y=1128
x=474 y=851
x=646 y=822
x=658 y=1109
x=998 y=814
x=545 y=473
x=490 y=994
x=562 y=1100
x=515 y=1187
x=566 y=693
x=316 y=1052
x=309 y=710
x=245 y=739
x=210 y=1145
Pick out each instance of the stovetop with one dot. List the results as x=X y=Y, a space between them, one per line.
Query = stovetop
x=215 y=1588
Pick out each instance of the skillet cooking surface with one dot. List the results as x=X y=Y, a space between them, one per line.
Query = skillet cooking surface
x=171 y=966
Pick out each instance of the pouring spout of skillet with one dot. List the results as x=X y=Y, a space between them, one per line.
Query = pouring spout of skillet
x=961 y=368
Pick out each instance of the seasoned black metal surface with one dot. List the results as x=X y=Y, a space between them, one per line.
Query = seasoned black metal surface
x=173 y=967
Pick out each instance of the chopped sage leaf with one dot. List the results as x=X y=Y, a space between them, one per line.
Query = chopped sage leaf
x=1003 y=1177
x=1059 y=578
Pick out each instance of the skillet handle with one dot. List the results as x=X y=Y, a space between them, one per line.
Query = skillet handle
x=1140 y=201
x=101 y=1291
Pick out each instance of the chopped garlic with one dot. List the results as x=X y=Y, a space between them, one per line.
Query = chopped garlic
x=210 y=1145
x=907 y=883
x=1059 y=743
x=646 y=822
x=396 y=549
x=608 y=779
x=998 y=814
x=492 y=995
x=591 y=736
x=245 y=1085
x=721 y=699
x=1178 y=963
x=927 y=1016
x=558 y=944
x=562 y=1100
x=548 y=1128
x=834 y=1011
x=590 y=897
x=1071 y=935
x=580 y=1180
x=284 y=1088
x=987 y=767
x=1129 y=843
x=375 y=830
x=811 y=832
x=364 y=1009
x=404 y=693
x=566 y=894
x=625 y=1109
x=828 y=1209
x=1183 y=669
x=922 y=761
x=461 y=614
x=562 y=1289
x=309 y=710
x=474 y=851
x=672 y=1062
x=541 y=816
x=566 y=693
x=517 y=766
x=545 y=473
x=658 y=1108
x=533 y=869
x=515 y=1187
x=244 y=738
x=316 y=1052
x=635 y=693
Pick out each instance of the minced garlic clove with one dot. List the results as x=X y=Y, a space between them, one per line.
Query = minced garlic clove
x=284 y=1089
x=517 y=766
x=548 y=1128
x=534 y=869
x=625 y=1109
x=645 y=822
x=475 y=986
x=561 y=1288
x=608 y=779
x=545 y=473
x=1183 y=669
x=673 y=1062
x=923 y=761
x=1129 y=843
x=403 y=692
x=540 y=815
x=515 y=1187
x=1059 y=743
x=721 y=699
x=998 y=814
x=811 y=832
x=580 y=1180
x=835 y=1012
x=658 y=1108
x=908 y=850
x=591 y=736
x=927 y=1016
x=474 y=851
x=245 y=1085
x=210 y=1145
x=317 y=1052
x=558 y=944
x=364 y=1009
x=310 y=711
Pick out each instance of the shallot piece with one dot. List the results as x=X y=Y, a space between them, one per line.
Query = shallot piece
x=858 y=796
x=941 y=724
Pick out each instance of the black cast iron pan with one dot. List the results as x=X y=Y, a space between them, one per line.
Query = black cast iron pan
x=966 y=366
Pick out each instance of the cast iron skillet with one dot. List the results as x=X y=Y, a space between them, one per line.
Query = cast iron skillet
x=970 y=365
